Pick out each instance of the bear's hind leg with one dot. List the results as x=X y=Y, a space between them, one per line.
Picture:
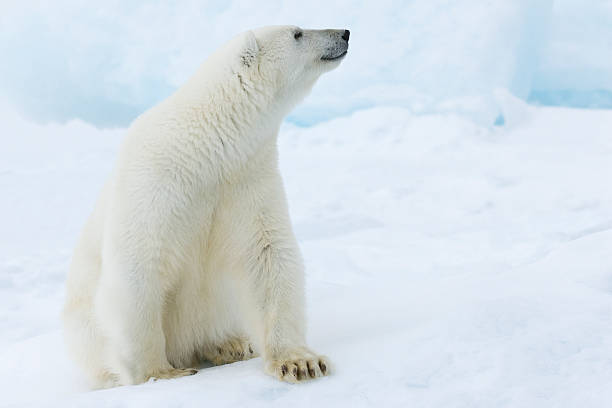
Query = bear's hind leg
x=130 y=303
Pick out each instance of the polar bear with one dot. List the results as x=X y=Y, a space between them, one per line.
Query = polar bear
x=189 y=253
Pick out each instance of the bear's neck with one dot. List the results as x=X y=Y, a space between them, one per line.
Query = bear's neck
x=231 y=121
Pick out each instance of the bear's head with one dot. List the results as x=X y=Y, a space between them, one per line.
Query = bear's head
x=290 y=57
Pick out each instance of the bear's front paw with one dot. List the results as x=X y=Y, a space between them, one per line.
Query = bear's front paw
x=298 y=365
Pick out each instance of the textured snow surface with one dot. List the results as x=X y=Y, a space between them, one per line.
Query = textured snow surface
x=448 y=264
x=111 y=60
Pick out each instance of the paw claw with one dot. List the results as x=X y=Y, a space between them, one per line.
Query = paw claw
x=311 y=372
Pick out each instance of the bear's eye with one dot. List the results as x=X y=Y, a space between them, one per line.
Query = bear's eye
x=297 y=35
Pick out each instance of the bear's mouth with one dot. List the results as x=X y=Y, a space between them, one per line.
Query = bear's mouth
x=334 y=57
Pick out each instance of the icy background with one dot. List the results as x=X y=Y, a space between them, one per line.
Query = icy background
x=453 y=205
x=107 y=62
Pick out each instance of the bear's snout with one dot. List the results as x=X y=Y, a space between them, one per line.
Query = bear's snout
x=337 y=45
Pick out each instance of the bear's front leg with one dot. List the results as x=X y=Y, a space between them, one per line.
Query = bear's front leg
x=276 y=281
x=279 y=284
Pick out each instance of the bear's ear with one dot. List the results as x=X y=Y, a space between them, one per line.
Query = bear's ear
x=250 y=49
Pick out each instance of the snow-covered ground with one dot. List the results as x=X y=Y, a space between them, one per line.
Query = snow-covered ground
x=449 y=264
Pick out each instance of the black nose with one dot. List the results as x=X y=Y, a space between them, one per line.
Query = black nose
x=346 y=35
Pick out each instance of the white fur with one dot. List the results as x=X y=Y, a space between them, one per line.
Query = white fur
x=189 y=252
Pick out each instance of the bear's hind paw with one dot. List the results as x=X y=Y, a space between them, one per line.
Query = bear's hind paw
x=173 y=373
x=232 y=350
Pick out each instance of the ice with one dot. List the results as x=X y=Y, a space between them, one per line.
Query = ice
x=105 y=64
x=576 y=67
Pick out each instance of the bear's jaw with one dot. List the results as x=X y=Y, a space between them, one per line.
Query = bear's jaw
x=336 y=57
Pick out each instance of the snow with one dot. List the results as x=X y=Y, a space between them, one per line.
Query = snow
x=111 y=60
x=449 y=264
x=457 y=240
